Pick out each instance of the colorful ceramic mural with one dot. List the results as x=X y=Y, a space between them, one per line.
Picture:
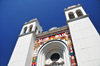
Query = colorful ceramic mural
x=34 y=61
x=63 y=36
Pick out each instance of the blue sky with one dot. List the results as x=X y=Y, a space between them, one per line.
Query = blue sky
x=50 y=13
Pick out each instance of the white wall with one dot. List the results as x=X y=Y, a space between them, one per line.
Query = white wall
x=86 y=42
x=22 y=54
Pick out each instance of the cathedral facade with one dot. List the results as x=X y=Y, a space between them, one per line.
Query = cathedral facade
x=76 y=44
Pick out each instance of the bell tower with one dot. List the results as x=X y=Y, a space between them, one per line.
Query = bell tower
x=85 y=38
x=23 y=51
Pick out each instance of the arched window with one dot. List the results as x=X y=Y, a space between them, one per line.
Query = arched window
x=25 y=30
x=79 y=13
x=30 y=28
x=58 y=56
x=35 y=29
x=71 y=15
x=39 y=31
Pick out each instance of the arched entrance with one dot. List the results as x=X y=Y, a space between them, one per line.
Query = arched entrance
x=53 y=53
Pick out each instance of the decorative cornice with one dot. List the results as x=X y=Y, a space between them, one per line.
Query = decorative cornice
x=33 y=20
x=53 y=32
x=72 y=7
x=74 y=19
